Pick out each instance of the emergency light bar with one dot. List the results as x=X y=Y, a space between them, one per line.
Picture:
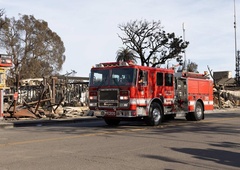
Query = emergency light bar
x=195 y=75
x=112 y=64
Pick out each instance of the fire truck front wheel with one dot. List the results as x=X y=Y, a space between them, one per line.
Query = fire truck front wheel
x=155 y=115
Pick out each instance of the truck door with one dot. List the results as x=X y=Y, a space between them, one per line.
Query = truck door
x=181 y=94
x=159 y=85
x=168 y=92
x=164 y=89
x=143 y=86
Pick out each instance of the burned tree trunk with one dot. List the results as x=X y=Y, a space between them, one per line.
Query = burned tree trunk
x=217 y=87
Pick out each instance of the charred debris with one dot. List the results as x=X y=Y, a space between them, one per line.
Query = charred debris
x=48 y=97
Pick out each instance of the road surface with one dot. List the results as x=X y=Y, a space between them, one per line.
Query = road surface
x=213 y=143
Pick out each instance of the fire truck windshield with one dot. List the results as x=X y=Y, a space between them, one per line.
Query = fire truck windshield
x=113 y=77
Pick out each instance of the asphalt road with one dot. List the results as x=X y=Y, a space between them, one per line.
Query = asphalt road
x=213 y=143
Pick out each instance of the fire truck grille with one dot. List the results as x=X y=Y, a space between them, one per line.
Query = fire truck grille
x=108 y=98
x=108 y=95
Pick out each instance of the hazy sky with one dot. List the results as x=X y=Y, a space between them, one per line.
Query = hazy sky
x=89 y=28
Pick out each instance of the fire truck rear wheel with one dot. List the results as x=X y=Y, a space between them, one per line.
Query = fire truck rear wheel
x=155 y=115
x=198 y=114
x=112 y=122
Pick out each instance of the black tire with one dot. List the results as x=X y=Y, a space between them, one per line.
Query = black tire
x=112 y=122
x=155 y=115
x=199 y=113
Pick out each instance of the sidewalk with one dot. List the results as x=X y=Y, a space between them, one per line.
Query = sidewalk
x=224 y=110
x=5 y=125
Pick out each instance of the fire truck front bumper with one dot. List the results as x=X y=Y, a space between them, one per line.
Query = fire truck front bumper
x=118 y=113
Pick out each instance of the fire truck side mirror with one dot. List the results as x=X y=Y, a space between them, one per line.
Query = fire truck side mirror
x=143 y=83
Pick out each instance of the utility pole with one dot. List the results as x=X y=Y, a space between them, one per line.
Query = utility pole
x=237 y=53
x=185 y=60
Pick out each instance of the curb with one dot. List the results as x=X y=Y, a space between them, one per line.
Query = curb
x=5 y=125
x=26 y=123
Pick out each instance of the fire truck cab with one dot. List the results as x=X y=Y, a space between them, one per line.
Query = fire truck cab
x=125 y=91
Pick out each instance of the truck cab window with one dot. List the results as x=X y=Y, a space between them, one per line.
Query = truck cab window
x=168 y=79
x=100 y=77
x=159 y=79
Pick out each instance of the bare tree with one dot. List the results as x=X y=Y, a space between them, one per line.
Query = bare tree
x=35 y=49
x=217 y=87
x=152 y=44
x=2 y=12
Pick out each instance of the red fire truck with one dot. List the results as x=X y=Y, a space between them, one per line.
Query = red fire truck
x=125 y=91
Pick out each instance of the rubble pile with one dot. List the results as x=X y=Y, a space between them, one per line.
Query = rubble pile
x=57 y=112
x=228 y=99
x=73 y=111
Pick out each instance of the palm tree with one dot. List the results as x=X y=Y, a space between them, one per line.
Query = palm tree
x=192 y=67
x=125 y=54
